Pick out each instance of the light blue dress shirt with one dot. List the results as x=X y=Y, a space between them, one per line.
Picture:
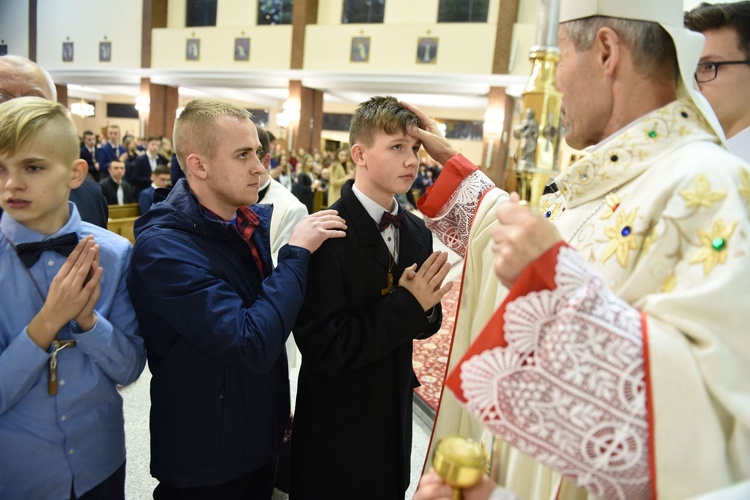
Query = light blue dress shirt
x=76 y=438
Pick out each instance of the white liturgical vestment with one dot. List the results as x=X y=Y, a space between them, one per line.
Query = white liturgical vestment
x=620 y=360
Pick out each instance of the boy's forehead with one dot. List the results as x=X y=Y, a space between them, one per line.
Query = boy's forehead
x=398 y=135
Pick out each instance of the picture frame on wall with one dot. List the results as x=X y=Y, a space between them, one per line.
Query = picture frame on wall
x=360 y=49
x=427 y=50
x=242 y=49
x=105 y=51
x=67 y=52
x=3 y=49
x=193 y=49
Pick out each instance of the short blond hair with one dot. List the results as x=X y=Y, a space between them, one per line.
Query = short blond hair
x=195 y=128
x=379 y=114
x=23 y=117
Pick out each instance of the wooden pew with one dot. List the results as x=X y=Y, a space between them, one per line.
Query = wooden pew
x=319 y=201
x=122 y=211
x=123 y=227
x=122 y=218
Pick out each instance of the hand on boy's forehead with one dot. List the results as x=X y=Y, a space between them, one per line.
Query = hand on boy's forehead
x=412 y=134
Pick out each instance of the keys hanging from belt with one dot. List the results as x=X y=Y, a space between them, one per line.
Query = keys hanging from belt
x=57 y=346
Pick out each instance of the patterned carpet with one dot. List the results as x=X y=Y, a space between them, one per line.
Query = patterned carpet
x=431 y=355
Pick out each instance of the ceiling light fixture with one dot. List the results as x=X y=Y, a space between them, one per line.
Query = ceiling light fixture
x=82 y=109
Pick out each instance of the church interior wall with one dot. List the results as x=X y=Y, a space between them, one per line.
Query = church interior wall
x=86 y=23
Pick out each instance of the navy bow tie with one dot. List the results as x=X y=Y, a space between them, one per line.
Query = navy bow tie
x=29 y=253
x=388 y=218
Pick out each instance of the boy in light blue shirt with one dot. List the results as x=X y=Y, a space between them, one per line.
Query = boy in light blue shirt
x=68 y=332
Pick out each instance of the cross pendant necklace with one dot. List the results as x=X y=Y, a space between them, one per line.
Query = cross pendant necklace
x=390 y=287
x=57 y=345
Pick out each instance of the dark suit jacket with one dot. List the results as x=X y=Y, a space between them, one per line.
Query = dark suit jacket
x=146 y=199
x=177 y=172
x=109 y=188
x=92 y=206
x=105 y=155
x=91 y=203
x=302 y=189
x=90 y=160
x=355 y=390
x=139 y=175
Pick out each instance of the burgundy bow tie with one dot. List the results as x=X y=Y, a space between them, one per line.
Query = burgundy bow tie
x=388 y=219
x=29 y=253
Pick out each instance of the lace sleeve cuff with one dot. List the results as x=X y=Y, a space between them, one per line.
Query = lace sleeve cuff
x=559 y=374
x=449 y=206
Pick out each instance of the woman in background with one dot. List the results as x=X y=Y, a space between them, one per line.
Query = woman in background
x=283 y=172
x=305 y=182
x=337 y=175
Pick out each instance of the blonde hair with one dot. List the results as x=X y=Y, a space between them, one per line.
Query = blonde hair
x=305 y=159
x=23 y=117
x=195 y=128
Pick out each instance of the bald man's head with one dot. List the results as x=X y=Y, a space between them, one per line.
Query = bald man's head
x=21 y=77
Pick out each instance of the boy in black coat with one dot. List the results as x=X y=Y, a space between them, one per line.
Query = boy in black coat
x=355 y=330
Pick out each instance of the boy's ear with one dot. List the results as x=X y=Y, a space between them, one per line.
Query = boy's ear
x=79 y=169
x=195 y=166
x=358 y=155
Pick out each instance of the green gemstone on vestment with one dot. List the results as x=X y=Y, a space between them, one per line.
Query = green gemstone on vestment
x=652 y=134
x=718 y=244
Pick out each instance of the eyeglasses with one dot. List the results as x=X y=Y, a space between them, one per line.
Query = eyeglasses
x=707 y=71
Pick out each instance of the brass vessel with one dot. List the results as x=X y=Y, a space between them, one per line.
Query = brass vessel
x=459 y=462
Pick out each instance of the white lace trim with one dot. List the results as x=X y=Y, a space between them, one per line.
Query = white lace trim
x=569 y=388
x=452 y=224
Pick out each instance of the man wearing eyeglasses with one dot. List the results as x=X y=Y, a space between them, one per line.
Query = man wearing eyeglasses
x=723 y=73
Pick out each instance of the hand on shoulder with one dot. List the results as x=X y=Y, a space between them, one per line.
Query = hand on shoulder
x=315 y=228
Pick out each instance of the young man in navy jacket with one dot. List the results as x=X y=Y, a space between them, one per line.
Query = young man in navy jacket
x=215 y=314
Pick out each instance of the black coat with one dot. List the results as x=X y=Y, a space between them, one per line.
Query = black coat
x=302 y=189
x=139 y=175
x=355 y=390
x=91 y=203
x=109 y=188
x=90 y=160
